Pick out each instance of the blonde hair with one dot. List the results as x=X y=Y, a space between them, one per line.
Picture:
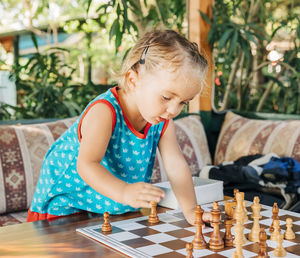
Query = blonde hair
x=162 y=49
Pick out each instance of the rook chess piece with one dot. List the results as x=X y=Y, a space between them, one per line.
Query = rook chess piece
x=153 y=218
x=263 y=244
x=279 y=250
x=228 y=237
x=106 y=227
x=256 y=207
x=216 y=242
x=189 y=250
x=199 y=241
x=289 y=234
x=275 y=211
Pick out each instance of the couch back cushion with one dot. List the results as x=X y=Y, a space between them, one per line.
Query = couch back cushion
x=23 y=148
x=193 y=144
x=241 y=136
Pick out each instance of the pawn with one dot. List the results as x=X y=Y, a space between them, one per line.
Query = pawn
x=276 y=230
x=279 y=250
x=228 y=237
x=189 y=250
x=106 y=227
x=289 y=234
x=263 y=244
x=153 y=218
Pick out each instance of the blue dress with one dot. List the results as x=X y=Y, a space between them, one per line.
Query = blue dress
x=129 y=156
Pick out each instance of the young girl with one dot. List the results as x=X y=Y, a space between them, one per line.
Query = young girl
x=104 y=161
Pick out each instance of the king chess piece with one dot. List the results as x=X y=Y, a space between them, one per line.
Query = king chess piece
x=199 y=241
x=216 y=242
x=106 y=227
x=153 y=217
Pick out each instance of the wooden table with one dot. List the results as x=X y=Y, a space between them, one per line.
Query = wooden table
x=57 y=238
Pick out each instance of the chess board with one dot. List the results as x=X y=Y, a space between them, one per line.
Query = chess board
x=137 y=238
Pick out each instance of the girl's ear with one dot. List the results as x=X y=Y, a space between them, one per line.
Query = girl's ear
x=131 y=79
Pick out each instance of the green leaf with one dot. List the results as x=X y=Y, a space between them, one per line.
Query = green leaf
x=33 y=38
x=206 y=18
x=233 y=43
x=114 y=28
x=224 y=38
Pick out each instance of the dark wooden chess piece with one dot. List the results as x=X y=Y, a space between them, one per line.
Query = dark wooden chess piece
x=106 y=227
x=263 y=244
x=153 y=217
x=216 y=242
x=228 y=237
x=275 y=211
x=189 y=250
x=199 y=241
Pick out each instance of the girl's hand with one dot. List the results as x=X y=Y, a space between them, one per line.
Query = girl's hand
x=190 y=217
x=139 y=195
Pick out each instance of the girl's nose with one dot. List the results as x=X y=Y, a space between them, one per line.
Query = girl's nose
x=173 y=110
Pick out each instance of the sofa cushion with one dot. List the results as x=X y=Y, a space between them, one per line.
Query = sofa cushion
x=241 y=136
x=193 y=143
x=22 y=150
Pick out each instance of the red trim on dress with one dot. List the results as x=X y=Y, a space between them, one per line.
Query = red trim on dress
x=113 y=113
x=164 y=128
x=131 y=128
x=35 y=216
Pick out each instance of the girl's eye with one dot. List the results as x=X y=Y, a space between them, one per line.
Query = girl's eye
x=166 y=98
x=184 y=103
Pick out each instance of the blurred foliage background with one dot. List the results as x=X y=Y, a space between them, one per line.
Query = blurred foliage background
x=255 y=46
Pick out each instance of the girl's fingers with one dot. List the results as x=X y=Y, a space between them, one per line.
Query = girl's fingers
x=153 y=191
x=143 y=204
x=148 y=197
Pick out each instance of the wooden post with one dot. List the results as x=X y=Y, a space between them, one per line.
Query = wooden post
x=198 y=31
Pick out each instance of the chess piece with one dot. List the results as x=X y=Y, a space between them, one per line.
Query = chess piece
x=275 y=211
x=256 y=207
x=279 y=250
x=199 y=241
x=276 y=230
x=239 y=214
x=229 y=209
x=228 y=237
x=263 y=244
x=106 y=227
x=235 y=191
x=189 y=250
x=153 y=217
x=216 y=242
x=245 y=211
x=289 y=234
x=238 y=231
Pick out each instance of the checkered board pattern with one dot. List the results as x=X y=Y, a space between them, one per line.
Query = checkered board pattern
x=137 y=238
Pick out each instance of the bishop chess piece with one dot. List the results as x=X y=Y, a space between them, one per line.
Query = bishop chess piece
x=199 y=241
x=153 y=217
x=275 y=211
x=228 y=237
x=216 y=242
x=106 y=227
x=279 y=250
x=289 y=234
x=263 y=244
x=189 y=250
x=276 y=230
x=256 y=207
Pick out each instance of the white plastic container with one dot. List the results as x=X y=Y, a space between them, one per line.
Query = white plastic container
x=207 y=191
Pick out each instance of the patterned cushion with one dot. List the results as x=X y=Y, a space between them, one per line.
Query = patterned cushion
x=22 y=150
x=193 y=143
x=23 y=147
x=241 y=136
